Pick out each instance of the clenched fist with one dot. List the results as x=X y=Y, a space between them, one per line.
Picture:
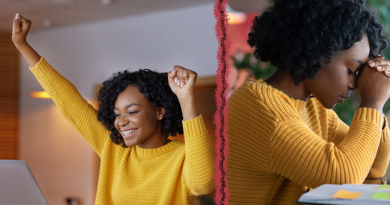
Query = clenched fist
x=21 y=27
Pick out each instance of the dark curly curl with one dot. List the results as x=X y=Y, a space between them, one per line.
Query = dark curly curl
x=155 y=88
x=305 y=34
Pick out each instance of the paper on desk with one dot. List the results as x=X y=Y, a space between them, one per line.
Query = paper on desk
x=385 y=186
x=342 y=194
x=323 y=195
x=381 y=195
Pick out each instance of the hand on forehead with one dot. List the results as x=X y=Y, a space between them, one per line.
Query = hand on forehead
x=380 y=64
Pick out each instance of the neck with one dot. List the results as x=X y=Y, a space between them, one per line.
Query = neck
x=153 y=143
x=282 y=81
x=156 y=140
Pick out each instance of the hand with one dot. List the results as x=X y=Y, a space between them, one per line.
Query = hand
x=19 y=35
x=182 y=82
x=380 y=64
x=374 y=88
x=21 y=27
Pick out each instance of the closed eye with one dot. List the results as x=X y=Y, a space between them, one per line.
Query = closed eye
x=350 y=72
x=130 y=113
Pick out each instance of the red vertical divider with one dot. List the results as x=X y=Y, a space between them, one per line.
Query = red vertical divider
x=220 y=117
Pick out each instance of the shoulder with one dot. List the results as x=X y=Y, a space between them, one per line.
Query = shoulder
x=260 y=91
x=259 y=97
x=178 y=146
x=177 y=149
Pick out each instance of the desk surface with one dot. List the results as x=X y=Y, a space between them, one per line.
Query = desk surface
x=367 y=181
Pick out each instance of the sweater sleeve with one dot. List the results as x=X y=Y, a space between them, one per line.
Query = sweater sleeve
x=71 y=104
x=302 y=156
x=199 y=157
x=338 y=130
x=292 y=150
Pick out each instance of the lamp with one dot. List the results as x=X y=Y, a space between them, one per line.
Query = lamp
x=235 y=17
x=40 y=94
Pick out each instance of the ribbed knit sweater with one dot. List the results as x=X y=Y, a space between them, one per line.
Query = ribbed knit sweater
x=172 y=174
x=280 y=146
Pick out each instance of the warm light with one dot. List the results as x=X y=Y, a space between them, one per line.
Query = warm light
x=235 y=17
x=40 y=94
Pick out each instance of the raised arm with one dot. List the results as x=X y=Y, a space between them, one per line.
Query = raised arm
x=199 y=157
x=69 y=101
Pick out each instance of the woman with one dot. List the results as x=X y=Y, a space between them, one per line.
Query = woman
x=283 y=136
x=137 y=112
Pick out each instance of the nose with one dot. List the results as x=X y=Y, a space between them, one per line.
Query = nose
x=123 y=121
x=353 y=84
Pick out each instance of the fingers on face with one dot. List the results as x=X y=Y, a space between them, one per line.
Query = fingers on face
x=380 y=64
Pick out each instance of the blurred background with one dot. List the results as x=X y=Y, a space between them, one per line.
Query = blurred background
x=86 y=41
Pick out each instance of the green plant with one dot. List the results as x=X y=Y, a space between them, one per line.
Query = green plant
x=382 y=9
x=258 y=68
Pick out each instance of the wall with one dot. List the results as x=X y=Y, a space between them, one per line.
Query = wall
x=9 y=97
x=61 y=161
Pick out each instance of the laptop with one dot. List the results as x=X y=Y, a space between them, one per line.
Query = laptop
x=18 y=185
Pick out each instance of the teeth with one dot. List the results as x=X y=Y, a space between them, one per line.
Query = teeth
x=127 y=132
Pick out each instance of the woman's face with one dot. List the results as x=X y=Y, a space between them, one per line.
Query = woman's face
x=138 y=120
x=336 y=79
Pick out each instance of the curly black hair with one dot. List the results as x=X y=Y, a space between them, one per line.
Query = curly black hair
x=305 y=34
x=155 y=88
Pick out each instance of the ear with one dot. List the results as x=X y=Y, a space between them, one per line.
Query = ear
x=160 y=113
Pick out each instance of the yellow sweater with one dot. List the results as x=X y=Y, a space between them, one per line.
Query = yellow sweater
x=172 y=174
x=280 y=146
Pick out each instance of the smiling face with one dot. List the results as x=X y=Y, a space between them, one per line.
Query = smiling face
x=138 y=120
x=336 y=79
